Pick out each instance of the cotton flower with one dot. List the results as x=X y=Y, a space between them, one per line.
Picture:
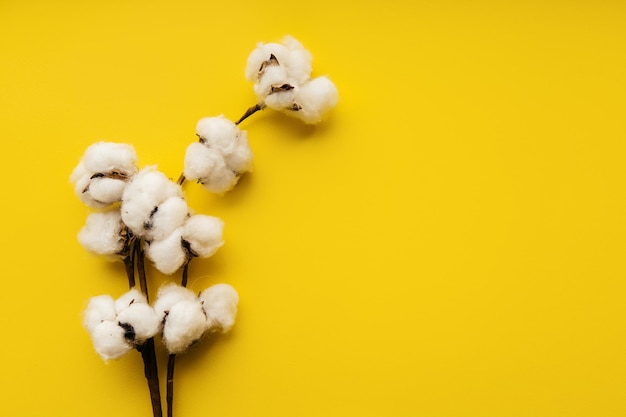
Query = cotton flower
x=167 y=254
x=221 y=156
x=141 y=199
x=220 y=305
x=203 y=234
x=281 y=74
x=200 y=236
x=184 y=320
x=102 y=174
x=102 y=233
x=186 y=317
x=117 y=326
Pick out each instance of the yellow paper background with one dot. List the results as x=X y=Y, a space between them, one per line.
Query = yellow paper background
x=450 y=242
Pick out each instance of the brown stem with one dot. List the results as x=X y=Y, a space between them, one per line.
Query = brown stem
x=181 y=179
x=130 y=270
x=152 y=376
x=170 y=384
x=250 y=112
x=141 y=268
x=147 y=351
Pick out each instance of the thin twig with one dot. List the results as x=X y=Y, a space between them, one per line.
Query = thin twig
x=130 y=270
x=170 y=384
x=152 y=376
x=250 y=112
x=141 y=269
x=181 y=179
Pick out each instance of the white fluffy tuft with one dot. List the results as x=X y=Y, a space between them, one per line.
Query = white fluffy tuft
x=184 y=324
x=169 y=295
x=109 y=341
x=101 y=175
x=147 y=190
x=220 y=305
x=102 y=233
x=204 y=234
x=167 y=254
x=100 y=308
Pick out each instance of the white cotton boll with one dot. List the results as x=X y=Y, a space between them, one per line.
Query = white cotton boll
x=316 y=98
x=184 y=324
x=144 y=321
x=220 y=305
x=282 y=100
x=106 y=157
x=128 y=298
x=298 y=62
x=240 y=158
x=100 y=308
x=204 y=234
x=273 y=75
x=167 y=254
x=169 y=295
x=146 y=191
x=169 y=215
x=218 y=132
x=222 y=179
x=106 y=190
x=260 y=54
x=102 y=233
x=109 y=341
x=200 y=161
x=81 y=189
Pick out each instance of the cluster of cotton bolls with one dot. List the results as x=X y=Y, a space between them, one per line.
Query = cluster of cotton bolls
x=154 y=208
x=220 y=157
x=117 y=326
x=101 y=175
x=281 y=73
x=186 y=317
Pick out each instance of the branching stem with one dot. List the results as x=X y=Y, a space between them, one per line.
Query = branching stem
x=250 y=112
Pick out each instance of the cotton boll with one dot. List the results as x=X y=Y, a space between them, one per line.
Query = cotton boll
x=274 y=75
x=100 y=308
x=109 y=341
x=316 y=98
x=220 y=305
x=240 y=159
x=168 y=216
x=218 y=132
x=144 y=321
x=167 y=254
x=106 y=190
x=200 y=161
x=169 y=295
x=261 y=54
x=102 y=233
x=147 y=190
x=108 y=156
x=222 y=179
x=204 y=234
x=282 y=100
x=184 y=324
x=299 y=61
x=129 y=298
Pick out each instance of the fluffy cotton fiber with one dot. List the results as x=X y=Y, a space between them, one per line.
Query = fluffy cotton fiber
x=118 y=326
x=142 y=196
x=204 y=234
x=220 y=305
x=101 y=176
x=102 y=233
x=221 y=156
x=282 y=81
x=168 y=254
